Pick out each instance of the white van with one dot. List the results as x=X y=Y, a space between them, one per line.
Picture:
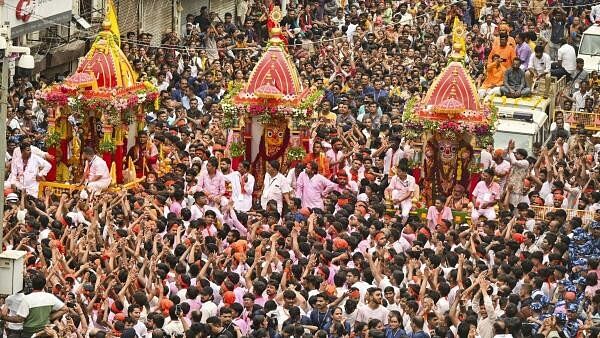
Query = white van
x=589 y=48
x=526 y=120
x=524 y=125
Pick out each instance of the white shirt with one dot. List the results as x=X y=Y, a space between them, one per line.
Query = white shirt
x=273 y=189
x=198 y=212
x=243 y=201
x=580 y=99
x=174 y=327
x=13 y=302
x=566 y=54
x=486 y=158
x=541 y=65
x=488 y=30
x=208 y=309
x=41 y=303
x=595 y=14
x=392 y=158
x=406 y=19
x=99 y=167
x=25 y=176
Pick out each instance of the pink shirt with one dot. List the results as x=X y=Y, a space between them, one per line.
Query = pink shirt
x=350 y=186
x=334 y=156
x=176 y=208
x=484 y=194
x=310 y=190
x=434 y=216
x=214 y=186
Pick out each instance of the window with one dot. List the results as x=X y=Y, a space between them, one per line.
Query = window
x=590 y=45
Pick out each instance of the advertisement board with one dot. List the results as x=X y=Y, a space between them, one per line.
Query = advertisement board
x=25 y=16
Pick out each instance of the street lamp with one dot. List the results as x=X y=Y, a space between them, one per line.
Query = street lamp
x=26 y=62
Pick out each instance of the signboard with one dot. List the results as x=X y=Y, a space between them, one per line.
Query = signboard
x=26 y=16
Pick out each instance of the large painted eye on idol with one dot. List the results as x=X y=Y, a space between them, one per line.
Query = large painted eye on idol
x=280 y=134
x=269 y=133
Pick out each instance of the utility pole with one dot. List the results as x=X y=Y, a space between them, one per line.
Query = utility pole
x=4 y=32
x=26 y=61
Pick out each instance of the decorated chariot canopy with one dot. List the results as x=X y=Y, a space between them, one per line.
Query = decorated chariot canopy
x=452 y=105
x=104 y=82
x=274 y=89
x=99 y=106
x=451 y=124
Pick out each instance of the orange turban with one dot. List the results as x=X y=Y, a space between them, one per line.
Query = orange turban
x=165 y=305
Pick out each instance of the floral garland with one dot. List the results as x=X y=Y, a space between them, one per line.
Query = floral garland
x=111 y=103
x=265 y=114
x=312 y=99
x=414 y=126
x=231 y=113
x=53 y=139
x=296 y=153
x=107 y=146
x=237 y=149
x=450 y=129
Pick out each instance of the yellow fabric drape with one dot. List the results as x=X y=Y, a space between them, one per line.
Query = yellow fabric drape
x=111 y=16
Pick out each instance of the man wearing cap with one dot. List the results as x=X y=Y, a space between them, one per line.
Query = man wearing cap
x=595 y=226
x=27 y=170
x=573 y=324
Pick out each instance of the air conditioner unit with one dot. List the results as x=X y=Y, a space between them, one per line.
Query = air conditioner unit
x=11 y=271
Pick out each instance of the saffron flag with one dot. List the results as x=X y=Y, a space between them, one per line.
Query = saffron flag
x=111 y=16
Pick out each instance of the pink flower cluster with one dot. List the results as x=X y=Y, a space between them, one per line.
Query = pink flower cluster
x=59 y=98
x=450 y=126
x=255 y=110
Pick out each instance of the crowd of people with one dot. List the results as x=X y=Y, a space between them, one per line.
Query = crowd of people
x=197 y=252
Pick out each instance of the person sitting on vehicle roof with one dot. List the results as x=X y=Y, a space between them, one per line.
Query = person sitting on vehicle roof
x=514 y=81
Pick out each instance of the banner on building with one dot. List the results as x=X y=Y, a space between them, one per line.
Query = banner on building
x=25 y=16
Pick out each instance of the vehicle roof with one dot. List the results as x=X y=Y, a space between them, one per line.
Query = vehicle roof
x=519 y=127
x=533 y=102
x=593 y=30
